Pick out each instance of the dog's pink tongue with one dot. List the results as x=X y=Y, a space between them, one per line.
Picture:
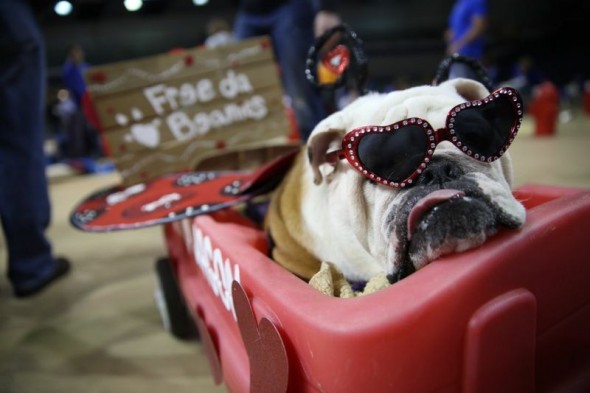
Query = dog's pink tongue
x=426 y=203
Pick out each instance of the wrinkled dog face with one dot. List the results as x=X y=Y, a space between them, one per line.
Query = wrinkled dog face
x=455 y=204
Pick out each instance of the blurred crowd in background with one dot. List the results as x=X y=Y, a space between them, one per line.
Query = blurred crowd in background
x=525 y=45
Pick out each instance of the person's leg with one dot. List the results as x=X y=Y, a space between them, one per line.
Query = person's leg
x=77 y=135
x=292 y=36
x=24 y=201
x=248 y=26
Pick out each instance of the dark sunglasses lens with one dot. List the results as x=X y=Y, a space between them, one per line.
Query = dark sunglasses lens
x=393 y=155
x=486 y=129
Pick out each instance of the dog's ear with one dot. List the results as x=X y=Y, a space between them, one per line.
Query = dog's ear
x=317 y=147
x=469 y=89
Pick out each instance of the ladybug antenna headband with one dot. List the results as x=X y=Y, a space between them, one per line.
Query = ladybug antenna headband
x=336 y=59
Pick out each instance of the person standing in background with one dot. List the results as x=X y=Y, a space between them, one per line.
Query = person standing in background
x=24 y=200
x=466 y=33
x=82 y=138
x=72 y=73
x=292 y=25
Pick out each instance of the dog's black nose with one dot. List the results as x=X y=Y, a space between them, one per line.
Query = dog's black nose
x=439 y=171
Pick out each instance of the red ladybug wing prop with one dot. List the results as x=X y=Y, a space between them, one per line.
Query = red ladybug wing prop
x=174 y=197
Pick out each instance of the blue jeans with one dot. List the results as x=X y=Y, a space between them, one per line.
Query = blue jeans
x=291 y=30
x=24 y=201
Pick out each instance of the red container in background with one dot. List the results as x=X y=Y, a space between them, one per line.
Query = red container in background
x=544 y=108
x=587 y=98
x=510 y=316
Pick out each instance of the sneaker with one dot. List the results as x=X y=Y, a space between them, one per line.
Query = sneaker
x=62 y=267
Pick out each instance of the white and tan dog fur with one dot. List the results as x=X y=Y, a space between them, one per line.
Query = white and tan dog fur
x=327 y=212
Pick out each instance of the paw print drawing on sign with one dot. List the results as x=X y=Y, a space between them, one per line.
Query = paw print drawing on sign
x=146 y=134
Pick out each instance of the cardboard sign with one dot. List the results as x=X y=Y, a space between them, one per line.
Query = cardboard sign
x=194 y=109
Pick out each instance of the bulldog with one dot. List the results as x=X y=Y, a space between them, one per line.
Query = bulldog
x=393 y=181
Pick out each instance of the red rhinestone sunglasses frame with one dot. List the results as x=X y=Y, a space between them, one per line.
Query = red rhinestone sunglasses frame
x=351 y=140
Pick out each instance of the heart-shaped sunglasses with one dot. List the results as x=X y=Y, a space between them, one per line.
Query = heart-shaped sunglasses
x=395 y=155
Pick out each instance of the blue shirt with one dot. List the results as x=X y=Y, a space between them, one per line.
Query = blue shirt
x=460 y=21
x=73 y=77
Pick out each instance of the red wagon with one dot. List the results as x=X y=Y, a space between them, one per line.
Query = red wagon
x=510 y=316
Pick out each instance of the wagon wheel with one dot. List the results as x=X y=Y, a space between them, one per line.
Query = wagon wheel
x=170 y=302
